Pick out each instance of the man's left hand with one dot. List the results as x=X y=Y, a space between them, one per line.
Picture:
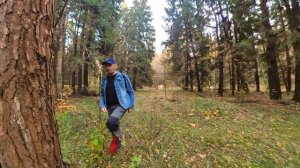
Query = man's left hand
x=130 y=110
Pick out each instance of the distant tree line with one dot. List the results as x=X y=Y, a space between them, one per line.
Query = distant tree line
x=235 y=44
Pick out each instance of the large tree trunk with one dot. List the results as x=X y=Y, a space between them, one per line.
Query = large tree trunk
x=296 y=46
x=28 y=129
x=271 y=53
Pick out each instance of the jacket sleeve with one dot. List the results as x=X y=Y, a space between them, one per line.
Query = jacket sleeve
x=130 y=91
x=101 y=103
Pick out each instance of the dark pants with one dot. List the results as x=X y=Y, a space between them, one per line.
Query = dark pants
x=113 y=122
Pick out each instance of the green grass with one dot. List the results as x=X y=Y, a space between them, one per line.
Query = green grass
x=184 y=131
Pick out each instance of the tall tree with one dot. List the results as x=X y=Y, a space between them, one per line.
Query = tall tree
x=271 y=53
x=293 y=16
x=28 y=129
x=136 y=39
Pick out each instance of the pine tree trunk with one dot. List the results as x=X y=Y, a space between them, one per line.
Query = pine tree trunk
x=86 y=63
x=296 y=45
x=294 y=25
x=288 y=78
x=134 y=78
x=199 y=87
x=81 y=57
x=232 y=76
x=86 y=74
x=186 y=76
x=271 y=53
x=28 y=129
x=60 y=55
x=289 y=70
x=256 y=75
x=220 y=59
x=221 y=75
x=238 y=76
x=75 y=41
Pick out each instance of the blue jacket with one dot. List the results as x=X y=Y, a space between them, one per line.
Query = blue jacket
x=124 y=90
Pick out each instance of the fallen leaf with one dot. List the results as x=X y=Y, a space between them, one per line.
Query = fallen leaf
x=193 y=125
x=202 y=156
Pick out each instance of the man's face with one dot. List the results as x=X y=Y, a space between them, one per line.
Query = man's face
x=111 y=68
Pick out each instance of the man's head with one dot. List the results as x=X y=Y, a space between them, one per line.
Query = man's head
x=110 y=65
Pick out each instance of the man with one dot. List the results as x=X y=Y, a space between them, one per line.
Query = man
x=116 y=97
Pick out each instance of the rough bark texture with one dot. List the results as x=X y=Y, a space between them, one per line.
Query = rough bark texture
x=28 y=129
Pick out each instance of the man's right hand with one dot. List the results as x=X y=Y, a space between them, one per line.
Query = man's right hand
x=104 y=110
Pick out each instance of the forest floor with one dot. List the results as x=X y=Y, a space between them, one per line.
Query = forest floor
x=184 y=130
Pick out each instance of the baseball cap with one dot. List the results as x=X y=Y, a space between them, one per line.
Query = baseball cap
x=109 y=60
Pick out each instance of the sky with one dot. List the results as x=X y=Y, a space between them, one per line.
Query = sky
x=158 y=12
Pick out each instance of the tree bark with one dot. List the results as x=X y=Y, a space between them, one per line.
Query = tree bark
x=134 y=78
x=60 y=55
x=86 y=62
x=81 y=57
x=256 y=75
x=75 y=41
x=271 y=53
x=28 y=129
x=199 y=87
x=296 y=46
x=288 y=78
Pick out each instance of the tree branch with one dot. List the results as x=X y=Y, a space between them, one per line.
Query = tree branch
x=61 y=13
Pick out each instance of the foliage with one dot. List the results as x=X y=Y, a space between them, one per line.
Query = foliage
x=136 y=43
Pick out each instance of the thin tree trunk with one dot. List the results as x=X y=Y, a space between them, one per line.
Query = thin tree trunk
x=60 y=55
x=134 y=78
x=75 y=41
x=199 y=87
x=188 y=56
x=289 y=69
x=86 y=63
x=186 y=77
x=256 y=75
x=220 y=41
x=81 y=57
x=287 y=80
x=238 y=77
x=28 y=129
x=294 y=23
x=220 y=59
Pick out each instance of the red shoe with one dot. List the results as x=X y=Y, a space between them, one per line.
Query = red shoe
x=114 y=146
